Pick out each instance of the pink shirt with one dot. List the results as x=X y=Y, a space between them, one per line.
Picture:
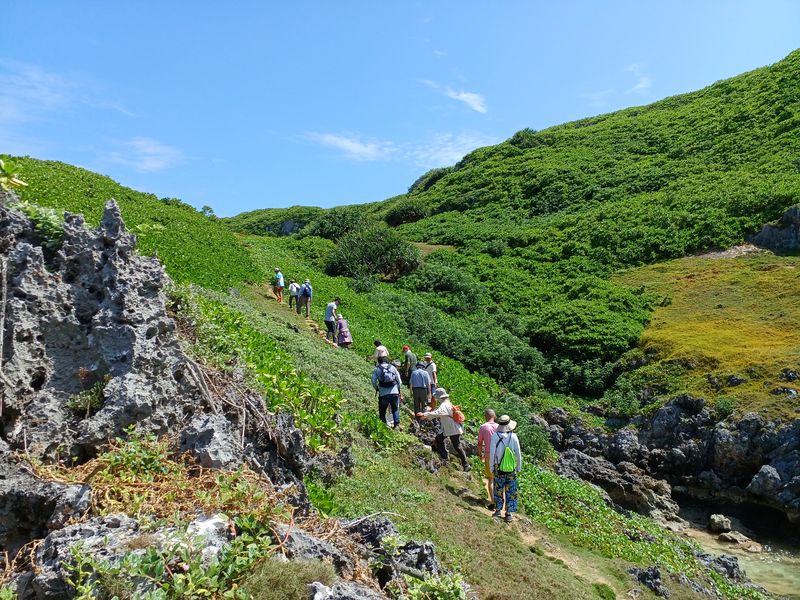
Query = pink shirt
x=485 y=437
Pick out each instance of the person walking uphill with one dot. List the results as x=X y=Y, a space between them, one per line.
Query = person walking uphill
x=380 y=352
x=386 y=381
x=420 y=384
x=330 y=319
x=506 y=459
x=304 y=299
x=409 y=364
x=450 y=428
x=277 y=284
x=294 y=293
x=484 y=440
x=344 y=338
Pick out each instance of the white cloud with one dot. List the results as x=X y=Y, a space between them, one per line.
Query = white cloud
x=473 y=100
x=447 y=148
x=145 y=155
x=439 y=150
x=353 y=146
x=643 y=80
x=439 y=53
x=27 y=91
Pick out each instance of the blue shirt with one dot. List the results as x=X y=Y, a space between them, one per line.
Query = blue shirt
x=385 y=391
x=279 y=279
x=420 y=379
x=329 y=310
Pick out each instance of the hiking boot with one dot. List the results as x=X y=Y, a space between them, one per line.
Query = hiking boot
x=490 y=505
x=509 y=518
x=467 y=468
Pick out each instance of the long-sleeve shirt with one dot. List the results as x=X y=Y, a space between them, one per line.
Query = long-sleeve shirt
x=385 y=391
x=381 y=351
x=497 y=448
x=420 y=379
x=445 y=415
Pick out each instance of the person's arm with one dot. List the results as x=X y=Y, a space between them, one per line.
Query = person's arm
x=517 y=451
x=438 y=413
x=493 y=451
x=399 y=383
x=375 y=379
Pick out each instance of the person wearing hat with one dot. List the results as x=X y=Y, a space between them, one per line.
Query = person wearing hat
x=409 y=364
x=294 y=293
x=304 y=299
x=432 y=370
x=330 y=319
x=344 y=337
x=420 y=384
x=505 y=476
x=380 y=352
x=450 y=429
x=277 y=284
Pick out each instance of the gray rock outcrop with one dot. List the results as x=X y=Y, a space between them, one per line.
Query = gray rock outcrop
x=783 y=236
x=752 y=459
x=719 y=524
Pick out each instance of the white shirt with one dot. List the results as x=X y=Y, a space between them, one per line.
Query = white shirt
x=498 y=446
x=381 y=351
x=294 y=289
x=445 y=415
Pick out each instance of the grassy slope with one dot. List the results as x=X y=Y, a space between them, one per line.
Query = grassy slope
x=192 y=247
x=729 y=316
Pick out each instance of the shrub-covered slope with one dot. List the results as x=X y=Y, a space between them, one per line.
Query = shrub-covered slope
x=194 y=248
x=541 y=221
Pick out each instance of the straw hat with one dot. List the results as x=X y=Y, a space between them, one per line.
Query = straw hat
x=505 y=423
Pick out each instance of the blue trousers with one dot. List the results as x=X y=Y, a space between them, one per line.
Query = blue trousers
x=505 y=484
x=384 y=402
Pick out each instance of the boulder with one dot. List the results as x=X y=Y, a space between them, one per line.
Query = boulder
x=734 y=537
x=783 y=236
x=342 y=591
x=30 y=508
x=650 y=578
x=300 y=545
x=212 y=441
x=719 y=524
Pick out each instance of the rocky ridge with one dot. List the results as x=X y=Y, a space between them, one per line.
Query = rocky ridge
x=88 y=349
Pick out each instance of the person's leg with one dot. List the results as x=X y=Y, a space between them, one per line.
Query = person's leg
x=395 y=402
x=383 y=402
x=511 y=494
x=308 y=308
x=329 y=332
x=459 y=450
x=499 y=493
x=441 y=447
x=489 y=479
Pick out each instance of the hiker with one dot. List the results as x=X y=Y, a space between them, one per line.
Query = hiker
x=277 y=285
x=330 y=319
x=432 y=370
x=294 y=293
x=380 y=352
x=484 y=440
x=304 y=299
x=506 y=464
x=409 y=364
x=386 y=381
x=344 y=338
x=420 y=384
x=450 y=428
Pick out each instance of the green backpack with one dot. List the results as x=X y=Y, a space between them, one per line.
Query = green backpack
x=509 y=462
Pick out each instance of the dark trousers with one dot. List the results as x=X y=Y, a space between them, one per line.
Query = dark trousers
x=291 y=297
x=386 y=401
x=420 y=398
x=455 y=440
x=331 y=327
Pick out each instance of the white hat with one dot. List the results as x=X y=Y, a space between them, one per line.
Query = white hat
x=440 y=394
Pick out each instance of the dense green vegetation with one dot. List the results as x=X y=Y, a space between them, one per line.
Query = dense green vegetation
x=193 y=247
x=540 y=222
x=274 y=221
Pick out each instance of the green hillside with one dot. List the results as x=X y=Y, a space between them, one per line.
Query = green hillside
x=536 y=225
x=193 y=247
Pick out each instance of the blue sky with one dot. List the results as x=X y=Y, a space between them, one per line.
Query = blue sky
x=243 y=105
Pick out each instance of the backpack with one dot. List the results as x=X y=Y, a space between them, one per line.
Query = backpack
x=386 y=376
x=457 y=414
x=508 y=464
x=306 y=291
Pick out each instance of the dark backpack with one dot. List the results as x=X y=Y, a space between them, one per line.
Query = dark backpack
x=305 y=292
x=386 y=376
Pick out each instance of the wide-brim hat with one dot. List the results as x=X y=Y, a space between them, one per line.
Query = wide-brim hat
x=504 y=423
x=307 y=281
x=428 y=355
x=440 y=394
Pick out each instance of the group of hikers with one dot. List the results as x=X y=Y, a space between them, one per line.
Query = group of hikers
x=498 y=445
x=338 y=331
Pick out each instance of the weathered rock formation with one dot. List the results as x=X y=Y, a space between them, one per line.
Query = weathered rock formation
x=751 y=460
x=783 y=236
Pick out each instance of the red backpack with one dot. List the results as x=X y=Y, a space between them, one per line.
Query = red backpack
x=457 y=414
